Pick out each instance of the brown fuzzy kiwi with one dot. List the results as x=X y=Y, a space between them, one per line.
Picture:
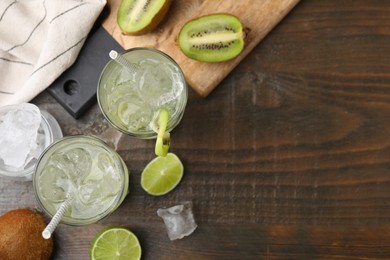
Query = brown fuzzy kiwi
x=21 y=236
x=153 y=12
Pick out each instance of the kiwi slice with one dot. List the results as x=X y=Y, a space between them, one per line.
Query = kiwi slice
x=136 y=17
x=212 y=38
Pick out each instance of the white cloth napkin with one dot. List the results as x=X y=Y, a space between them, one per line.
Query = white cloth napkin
x=40 y=39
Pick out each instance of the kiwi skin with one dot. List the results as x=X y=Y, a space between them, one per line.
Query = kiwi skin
x=21 y=236
x=156 y=20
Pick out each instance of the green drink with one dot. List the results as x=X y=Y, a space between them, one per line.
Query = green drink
x=85 y=169
x=130 y=99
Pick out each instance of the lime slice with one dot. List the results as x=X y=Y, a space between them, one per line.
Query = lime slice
x=163 y=138
x=162 y=145
x=115 y=243
x=162 y=174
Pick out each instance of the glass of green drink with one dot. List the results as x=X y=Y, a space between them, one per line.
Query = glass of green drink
x=85 y=169
x=130 y=99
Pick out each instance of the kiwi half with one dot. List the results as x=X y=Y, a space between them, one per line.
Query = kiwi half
x=212 y=38
x=136 y=17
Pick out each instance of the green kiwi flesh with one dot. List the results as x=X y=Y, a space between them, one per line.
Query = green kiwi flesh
x=212 y=38
x=136 y=17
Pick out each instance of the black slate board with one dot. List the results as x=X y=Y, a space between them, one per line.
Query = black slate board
x=76 y=88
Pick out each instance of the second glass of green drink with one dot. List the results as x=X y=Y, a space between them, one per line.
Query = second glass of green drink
x=130 y=99
x=85 y=169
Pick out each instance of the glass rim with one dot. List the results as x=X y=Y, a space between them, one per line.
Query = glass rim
x=146 y=134
x=118 y=200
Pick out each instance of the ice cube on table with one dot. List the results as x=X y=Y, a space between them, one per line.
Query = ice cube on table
x=179 y=220
x=18 y=135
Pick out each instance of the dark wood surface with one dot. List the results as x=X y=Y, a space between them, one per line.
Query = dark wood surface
x=289 y=158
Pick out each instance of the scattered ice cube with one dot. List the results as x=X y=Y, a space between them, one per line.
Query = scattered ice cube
x=18 y=135
x=178 y=220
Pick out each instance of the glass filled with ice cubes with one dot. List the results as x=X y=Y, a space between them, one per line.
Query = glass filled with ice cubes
x=85 y=169
x=130 y=99
x=25 y=131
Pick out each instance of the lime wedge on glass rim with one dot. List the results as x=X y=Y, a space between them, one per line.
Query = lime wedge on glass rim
x=162 y=174
x=163 y=138
x=115 y=243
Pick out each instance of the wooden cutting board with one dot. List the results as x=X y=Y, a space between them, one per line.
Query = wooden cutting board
x=260 y=16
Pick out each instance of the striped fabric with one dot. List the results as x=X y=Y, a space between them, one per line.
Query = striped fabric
x=39 y=39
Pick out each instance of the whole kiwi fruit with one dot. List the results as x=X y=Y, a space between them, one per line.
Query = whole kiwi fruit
x=137 y=17
x=21 y=236
x=212 y=38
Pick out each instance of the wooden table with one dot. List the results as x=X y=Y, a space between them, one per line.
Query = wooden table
x=289 y=158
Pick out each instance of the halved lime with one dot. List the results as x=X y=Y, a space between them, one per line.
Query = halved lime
x=159 y=125
x=162 y=174
x=115 y=243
